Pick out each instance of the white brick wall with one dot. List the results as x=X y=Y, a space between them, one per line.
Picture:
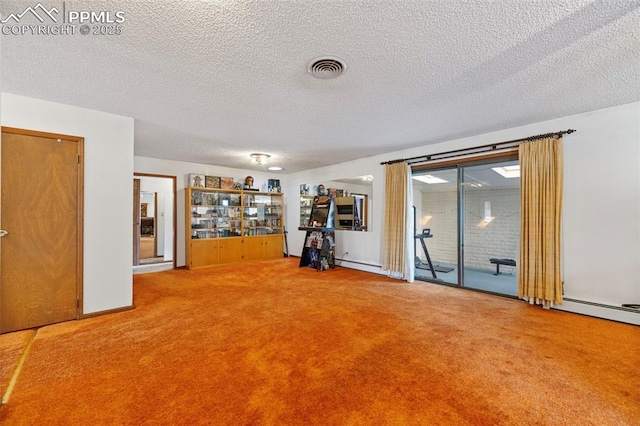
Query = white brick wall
x=439 y=210
x=499 y=238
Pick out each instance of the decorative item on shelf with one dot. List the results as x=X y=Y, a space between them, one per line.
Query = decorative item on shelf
x=248 y=184
x=237 y=185
x=196 y=180
x=212 y=181
x=304 y=189
x=226 y=182
x=274 y=185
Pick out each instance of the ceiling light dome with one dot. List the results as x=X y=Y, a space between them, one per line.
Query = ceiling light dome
x=259 y=157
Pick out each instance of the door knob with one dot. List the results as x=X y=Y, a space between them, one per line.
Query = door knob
x=3 y=233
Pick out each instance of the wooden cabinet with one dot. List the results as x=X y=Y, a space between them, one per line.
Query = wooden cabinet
x=226 y=226
x=253 y=248
x=229 y=250
x=203 y=253
x=273 y=246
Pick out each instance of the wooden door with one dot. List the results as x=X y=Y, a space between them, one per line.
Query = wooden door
x=41 y=210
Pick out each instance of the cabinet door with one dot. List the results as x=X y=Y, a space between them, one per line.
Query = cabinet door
x=273 y=247
x=229 y=250
x=203 y=253
x=253 y=248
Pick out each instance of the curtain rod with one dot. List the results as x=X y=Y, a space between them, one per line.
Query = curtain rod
x=478 y=149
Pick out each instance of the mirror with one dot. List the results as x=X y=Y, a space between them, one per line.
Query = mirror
x=352 y=198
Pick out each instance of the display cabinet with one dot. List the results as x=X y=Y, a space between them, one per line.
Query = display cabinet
x=262 y=214
x=306 y=203
x=226 y=226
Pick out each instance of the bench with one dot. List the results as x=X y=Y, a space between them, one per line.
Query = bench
x=498 y=262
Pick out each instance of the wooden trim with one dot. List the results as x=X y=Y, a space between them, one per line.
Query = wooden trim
x=175 y=210
x=175 y=222
x=136 y=222
x=40 y=134
x=155 y=225
x=467 y=160
x=107 y=312
x=80 y=209
x=80 y=243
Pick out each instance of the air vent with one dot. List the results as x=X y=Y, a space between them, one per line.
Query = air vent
x=326 y=67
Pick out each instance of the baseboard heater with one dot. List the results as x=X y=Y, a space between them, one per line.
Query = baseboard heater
x=350 y=261
x=359 y=263
x=602 y=305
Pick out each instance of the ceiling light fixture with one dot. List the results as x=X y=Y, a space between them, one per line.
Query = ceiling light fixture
x=275 y=168
x=508 y=171
x=259 y=157
x=429 y=179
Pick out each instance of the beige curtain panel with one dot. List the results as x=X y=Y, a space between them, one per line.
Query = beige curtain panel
x=541 y=179
x=393 y=244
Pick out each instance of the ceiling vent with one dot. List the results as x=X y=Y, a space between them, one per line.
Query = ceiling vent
x=326 y=67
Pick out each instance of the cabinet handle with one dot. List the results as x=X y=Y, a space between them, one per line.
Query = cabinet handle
x=3 y=233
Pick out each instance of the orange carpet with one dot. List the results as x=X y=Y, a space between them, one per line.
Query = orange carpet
x=271 y=344
x=12 y=346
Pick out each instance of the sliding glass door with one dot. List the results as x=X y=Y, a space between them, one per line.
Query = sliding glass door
x=468 y=225
x=436 y=239
x=491 y=194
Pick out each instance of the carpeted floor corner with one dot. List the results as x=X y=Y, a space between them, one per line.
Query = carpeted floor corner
x=269 y=343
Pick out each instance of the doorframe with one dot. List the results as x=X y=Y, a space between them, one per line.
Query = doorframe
x=80 y=208
x=136 y=222
x=175 y=209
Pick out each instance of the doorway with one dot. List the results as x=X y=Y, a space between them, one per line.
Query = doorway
x=41 y=220
x=468 y=225
x=154 y=223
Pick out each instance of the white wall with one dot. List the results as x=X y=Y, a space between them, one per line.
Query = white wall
x=182 y=169
x=108 y=189
x=601 y=217
x=601 y=233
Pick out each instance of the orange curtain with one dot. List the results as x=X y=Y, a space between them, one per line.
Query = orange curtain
x=397 y=234
x=541 y=179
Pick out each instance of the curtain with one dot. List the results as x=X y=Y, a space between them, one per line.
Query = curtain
x=397 y=243
x=541 y=179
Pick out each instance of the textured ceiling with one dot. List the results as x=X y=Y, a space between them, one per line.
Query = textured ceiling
x=211 y=81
